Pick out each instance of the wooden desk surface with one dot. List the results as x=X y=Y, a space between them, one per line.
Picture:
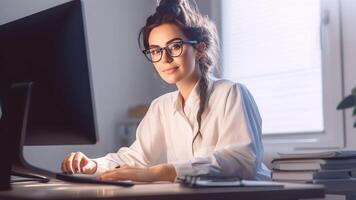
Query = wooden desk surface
x=168 y=191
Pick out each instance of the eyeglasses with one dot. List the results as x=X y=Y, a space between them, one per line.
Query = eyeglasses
x=173 y=49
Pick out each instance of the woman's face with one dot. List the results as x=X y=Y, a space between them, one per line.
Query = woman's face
x=173 y=69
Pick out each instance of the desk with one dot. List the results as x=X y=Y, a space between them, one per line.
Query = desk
x=56 y=189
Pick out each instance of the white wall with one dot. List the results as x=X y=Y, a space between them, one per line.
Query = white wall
x=121 y=75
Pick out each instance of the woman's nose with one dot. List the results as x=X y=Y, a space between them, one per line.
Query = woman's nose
x=166 y=57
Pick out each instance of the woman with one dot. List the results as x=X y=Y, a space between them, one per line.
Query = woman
x=208 y=127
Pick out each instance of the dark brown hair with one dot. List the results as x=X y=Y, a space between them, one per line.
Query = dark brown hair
x=195 y=27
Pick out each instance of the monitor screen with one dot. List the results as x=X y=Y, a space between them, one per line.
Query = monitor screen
x=49 y=49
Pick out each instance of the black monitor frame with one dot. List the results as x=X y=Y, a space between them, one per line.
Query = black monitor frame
x=49 y=49
x=24 y=120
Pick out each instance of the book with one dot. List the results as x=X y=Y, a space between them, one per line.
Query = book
x=342 y=154
x=310 y=175
x=313 y=164
x=335 y=196
x=353 y=173
x=337 y=184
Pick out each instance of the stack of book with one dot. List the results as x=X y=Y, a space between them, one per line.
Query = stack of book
x=317 y=167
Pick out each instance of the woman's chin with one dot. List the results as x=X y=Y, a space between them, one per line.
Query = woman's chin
x=171 y=79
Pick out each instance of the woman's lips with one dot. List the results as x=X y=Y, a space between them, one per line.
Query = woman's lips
x=170 y=70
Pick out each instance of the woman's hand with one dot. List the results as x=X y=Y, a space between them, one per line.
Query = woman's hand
x=162 y=172
x=78 y=163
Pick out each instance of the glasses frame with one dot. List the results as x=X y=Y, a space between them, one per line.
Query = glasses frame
x=146 y=52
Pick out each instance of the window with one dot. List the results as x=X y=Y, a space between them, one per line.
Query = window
x=287 y=52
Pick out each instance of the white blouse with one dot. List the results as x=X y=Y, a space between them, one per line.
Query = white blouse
x=230 y=142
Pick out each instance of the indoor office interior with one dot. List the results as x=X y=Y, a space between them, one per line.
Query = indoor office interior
x=297 y=57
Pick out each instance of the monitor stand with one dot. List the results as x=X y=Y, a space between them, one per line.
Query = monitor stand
x=19 y=104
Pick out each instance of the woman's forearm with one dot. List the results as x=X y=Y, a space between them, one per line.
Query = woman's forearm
x=164 y=172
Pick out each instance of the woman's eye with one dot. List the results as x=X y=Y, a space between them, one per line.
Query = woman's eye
x=155 y=51
x=175 y=47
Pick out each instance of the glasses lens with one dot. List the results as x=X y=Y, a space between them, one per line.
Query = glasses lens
x=154 y=55
x=175 y=49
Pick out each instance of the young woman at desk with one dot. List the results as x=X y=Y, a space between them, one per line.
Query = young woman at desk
x=206 y=127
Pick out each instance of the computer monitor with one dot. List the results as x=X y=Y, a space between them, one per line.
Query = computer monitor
x=49 y=49
x=46 y=54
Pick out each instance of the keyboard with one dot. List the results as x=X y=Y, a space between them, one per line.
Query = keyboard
x=91 y=179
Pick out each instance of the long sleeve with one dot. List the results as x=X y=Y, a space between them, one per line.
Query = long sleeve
x=147 y=150
x=238 y=151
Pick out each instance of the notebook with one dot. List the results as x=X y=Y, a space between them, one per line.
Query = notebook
x=197 y=181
